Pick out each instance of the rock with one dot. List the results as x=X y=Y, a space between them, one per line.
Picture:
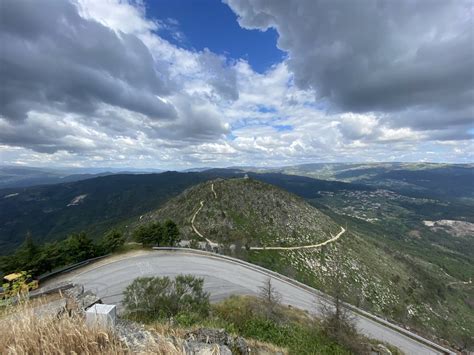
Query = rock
x=380 y=349
x=210 y=336
x=83 y=300
x=198 y=348
x=87 y=300
x=75 y=291
x=51 y=309
x=135 y=336
x=240 y=344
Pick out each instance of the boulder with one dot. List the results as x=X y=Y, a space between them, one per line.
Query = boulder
x=210 y=336
x=380 y=349
x=198 y=348
x=241 y=346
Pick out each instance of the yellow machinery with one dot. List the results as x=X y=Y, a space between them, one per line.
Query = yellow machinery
x=18 y=282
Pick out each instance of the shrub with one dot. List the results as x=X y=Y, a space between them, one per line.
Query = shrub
x=150 y=298
x=271 y=299
x=79 y=247
x=150 y=234
x=245 y=316
x=157 y=234
x=171 y=233
x=111 y=241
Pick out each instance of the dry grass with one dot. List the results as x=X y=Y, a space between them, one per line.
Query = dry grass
x=25 y=333
x=21 y=332
x=168 y=330
x=266 y=348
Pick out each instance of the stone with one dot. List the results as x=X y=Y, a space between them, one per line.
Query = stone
x=240 y=344
x=211 y=336
x=51 y=309
x=82 y=299
x=198 y=348
x=381 y=350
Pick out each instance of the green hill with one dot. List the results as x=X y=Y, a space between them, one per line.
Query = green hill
x=376 y=277
x=248 y=211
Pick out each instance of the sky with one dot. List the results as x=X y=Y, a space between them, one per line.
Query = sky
x=175 y=84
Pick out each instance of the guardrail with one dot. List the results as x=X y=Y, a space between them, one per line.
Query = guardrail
x=70 y=268
x=319 y=293
x=283 y=278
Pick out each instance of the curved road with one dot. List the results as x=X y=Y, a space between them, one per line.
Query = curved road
x=223 y=277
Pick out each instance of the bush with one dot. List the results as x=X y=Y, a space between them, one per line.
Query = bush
x=171 y=233
x=79 y=247
x=111 y=241
x=151 y=298
x=247 y=317
x=38 y=259
x=157 y=234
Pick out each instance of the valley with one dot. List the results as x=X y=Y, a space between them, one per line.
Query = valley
x=405 y=256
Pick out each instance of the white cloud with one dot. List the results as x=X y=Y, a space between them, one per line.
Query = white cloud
x=223 y=112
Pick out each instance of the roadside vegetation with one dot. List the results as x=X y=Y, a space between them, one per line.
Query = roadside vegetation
x=157 y=234
x=161 y=298
x=22 y=331
x=163 y=303
x=38 y=259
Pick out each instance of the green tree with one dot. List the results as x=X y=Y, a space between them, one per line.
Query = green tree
x=25 y=258
x=112 y=240
x=79 y=247
x=150 y=234
x=51 y=256
x=171 y=233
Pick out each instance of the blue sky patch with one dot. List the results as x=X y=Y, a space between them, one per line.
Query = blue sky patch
x=283 y=128
x=213 y=25
x=266 y=109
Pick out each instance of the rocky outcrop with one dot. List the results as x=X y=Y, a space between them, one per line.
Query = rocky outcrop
x=220 y=337
x=83 y=300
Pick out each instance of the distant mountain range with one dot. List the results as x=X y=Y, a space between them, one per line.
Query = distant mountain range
x=448 y=180
x=51 y=212
x=20 y=176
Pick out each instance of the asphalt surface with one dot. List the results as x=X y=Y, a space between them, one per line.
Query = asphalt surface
x=222 y=279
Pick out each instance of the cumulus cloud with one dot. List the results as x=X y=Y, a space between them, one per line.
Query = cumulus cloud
x=385 y=56
x=52 y=57
x=99 y=65
x=94 y=83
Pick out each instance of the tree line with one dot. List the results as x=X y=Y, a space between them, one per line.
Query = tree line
x=38 y=259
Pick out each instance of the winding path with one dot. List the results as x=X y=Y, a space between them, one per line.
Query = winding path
x=212 y=188
x=214 y=244
x=211 y=243
x=333 y=239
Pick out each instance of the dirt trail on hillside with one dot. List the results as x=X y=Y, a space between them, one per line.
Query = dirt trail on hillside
x=214 y=244
x=211 y=243
x=333 y=239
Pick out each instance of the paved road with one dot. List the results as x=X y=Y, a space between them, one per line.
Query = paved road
x=222 y=279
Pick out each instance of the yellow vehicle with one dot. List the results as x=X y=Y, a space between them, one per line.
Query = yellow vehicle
x=18 y=282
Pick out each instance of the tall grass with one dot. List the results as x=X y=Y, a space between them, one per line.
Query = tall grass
x=23 y=332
